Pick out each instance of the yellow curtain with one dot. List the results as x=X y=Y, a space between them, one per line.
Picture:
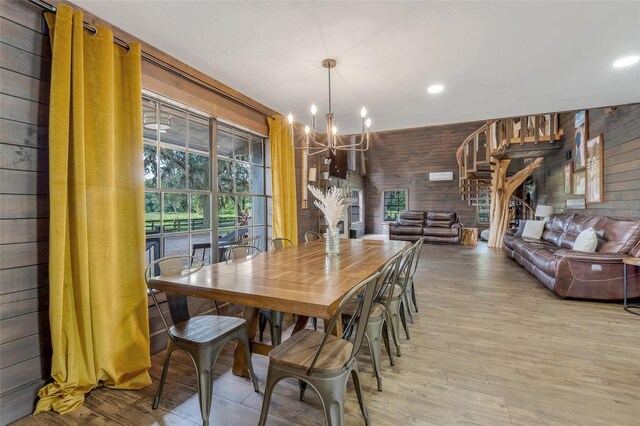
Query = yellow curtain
x=283 y=180
x=98 y=301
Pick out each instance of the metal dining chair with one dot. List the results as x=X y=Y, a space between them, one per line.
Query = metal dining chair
x=204 y=247
x=376 y=326
x=274 y=318
x=280 y=243
x=395 y=305
x=201 y=337
x=240 y=252
x=311 y=236
x=323 y=361
x=410 y=293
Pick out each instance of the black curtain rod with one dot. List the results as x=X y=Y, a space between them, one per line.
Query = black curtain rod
x=50 y=8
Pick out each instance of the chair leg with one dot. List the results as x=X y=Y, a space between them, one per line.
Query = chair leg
x=273 y=377
x=163 y=377
x=373 y=334
x=204 y=372
x=385 y=339
x=407 y=303
x=314 y=321
x=215 y=302
x=276 y=327
x=332 y=396
x=394 y=321
x=262 y=324
x=355 y=375
x=404 y=320
x=413 y=295
x=243 y=336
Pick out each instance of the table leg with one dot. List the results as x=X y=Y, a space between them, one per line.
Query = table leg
x=239 y=361
x=300 y=324
x=337 y=331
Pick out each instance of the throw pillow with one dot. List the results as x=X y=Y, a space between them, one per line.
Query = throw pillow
x=520 y=228
x=533 y=229
x=587 y=241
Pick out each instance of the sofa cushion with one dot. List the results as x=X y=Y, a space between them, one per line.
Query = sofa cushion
x=617 y=235
x=520 y=228
x=405 y=230
x=533 y=229
x=412 y=215
x=441 y=219
x=587 y=241
x=440 y=232
x=410 y=222
x=442 y=216
x=581 y=222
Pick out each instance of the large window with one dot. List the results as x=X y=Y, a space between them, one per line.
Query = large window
x=393 y=202
x=189 y=182
x=242 y=210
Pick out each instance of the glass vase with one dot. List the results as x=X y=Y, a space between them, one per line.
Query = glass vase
x=332 y=237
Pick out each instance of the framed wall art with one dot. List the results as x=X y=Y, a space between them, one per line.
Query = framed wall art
x=581 y=131
x=568 y=177
x=595 y=170
x=579 y=183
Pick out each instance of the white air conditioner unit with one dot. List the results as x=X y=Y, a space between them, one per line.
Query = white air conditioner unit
x=441 y=176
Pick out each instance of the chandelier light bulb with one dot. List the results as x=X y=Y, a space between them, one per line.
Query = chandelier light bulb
x=626 y=61
x=436 y=88
x=335 y=130
x=307 y=129
x=368 y=123
x=314 y=109
x=363 y=112
x=290 y=118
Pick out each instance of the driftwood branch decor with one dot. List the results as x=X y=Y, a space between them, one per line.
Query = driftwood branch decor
x=501 y=190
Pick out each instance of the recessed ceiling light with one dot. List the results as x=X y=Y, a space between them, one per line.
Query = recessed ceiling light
x=626 y=61
x=436 y=88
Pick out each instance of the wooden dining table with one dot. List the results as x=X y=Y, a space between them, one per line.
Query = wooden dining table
x=300 y=280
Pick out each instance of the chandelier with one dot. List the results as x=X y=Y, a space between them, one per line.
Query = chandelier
x=310 y=142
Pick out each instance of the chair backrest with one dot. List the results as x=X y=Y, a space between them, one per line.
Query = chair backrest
x=386 y=280
x=178 y=307
x=406 y=264
x=311 y=236
x=200 y=246
x=240 y=252
x=416 y=256
x=368 y=288
x=278 y=243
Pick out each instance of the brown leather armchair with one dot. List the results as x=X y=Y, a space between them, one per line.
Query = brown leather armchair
x=570 y=273
x=435 y=227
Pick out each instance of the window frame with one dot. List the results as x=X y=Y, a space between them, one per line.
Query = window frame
x=156 y=240
x=406 y=207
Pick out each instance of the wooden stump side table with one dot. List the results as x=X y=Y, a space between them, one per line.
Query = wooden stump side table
x=633 y=261
x=469 y=237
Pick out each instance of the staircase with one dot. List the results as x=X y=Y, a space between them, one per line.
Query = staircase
x=507 y=138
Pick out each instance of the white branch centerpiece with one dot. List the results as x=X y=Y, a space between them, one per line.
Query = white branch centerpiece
x=332 y=205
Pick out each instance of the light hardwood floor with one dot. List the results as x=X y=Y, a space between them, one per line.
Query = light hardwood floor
x=490 y=346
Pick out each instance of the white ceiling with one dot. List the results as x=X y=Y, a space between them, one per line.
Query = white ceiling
x=495 y=59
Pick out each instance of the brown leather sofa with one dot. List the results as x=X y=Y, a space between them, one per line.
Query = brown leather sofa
x=575 y=274
x=435 y=227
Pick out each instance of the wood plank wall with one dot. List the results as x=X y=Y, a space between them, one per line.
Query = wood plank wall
x=621 y=131
x=404 y=159
x=25 y=348
x=25 y=63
